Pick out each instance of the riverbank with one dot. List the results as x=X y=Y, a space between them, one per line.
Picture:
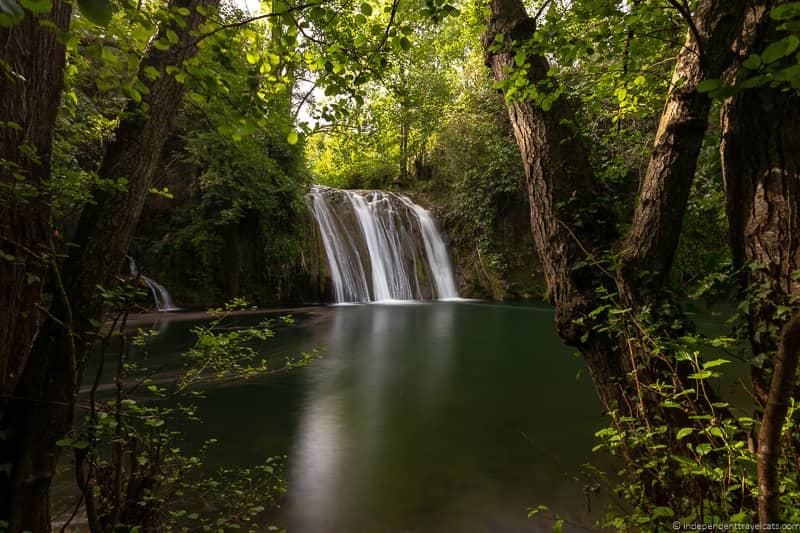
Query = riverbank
x=153 y=318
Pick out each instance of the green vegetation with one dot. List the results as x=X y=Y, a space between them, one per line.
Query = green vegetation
x=129 y=461
x=612 y=158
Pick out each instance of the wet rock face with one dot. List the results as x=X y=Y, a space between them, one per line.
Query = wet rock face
x=381 y=246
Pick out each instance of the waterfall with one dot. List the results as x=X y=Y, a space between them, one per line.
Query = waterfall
x=381 y=246
x=161 y=297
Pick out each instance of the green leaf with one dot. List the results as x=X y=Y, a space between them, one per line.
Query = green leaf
x=707 y=86
x=780 y=49
x=786 y=11
x=788 y=74
x=97 y=11
x=752 y=62
x=684 y=432
x=662 y=512
x=151 y=72
x=292 y=138
x=715 y=362
x=533 y=511
x=37 y=6
x=366 y=9
x=520 y=57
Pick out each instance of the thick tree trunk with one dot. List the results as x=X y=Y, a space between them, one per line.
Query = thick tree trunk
x=31 y=78
x=55 y=366
x=761 y=167
x=650 y=245
x=562 y=188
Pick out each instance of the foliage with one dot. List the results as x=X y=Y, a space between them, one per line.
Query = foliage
x=776 y=65
x=129 y=463
x=435 y=114
x=714 y=483
x=616 y=63
x=695 y=460
x=477 y=181
x=380 y=136
x=246 y=195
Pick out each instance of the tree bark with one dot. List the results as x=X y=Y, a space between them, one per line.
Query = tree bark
x=47 y=390
x=769 y=436
x=562 y=186
x=31 y=78
x=651 y=242
x=761 y=167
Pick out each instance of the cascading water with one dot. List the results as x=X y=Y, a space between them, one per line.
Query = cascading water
x=161 y=296
x=381 y=246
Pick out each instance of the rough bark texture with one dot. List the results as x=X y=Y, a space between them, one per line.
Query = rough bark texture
x=769 y=436
x=650 y=245
x=562 y=188
x=761 y=167
x=50 y=381
x=560 y=182
x=31 y=78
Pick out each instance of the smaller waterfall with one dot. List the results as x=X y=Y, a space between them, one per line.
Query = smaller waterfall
x=381 y=246
x=441 y=268
x=161 y=297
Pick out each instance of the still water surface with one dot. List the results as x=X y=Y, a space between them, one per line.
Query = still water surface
x=429 y=417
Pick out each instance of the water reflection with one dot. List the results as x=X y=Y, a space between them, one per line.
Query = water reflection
x=423 y=418
x=435 y=417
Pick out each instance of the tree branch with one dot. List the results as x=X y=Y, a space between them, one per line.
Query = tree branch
x=769 y=436
x=686 y=14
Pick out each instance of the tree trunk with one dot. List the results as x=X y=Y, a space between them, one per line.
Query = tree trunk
x=55 y=365
x=232 y=262
x=761 y=167
x=769 y=436
x=31 y=78
x=403 y=147
x=649 y=247
x=562 y=187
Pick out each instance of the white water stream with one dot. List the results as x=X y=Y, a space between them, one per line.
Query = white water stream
x=381 y=246
x=161 y=296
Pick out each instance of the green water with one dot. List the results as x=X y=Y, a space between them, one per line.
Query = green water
x=437 y=417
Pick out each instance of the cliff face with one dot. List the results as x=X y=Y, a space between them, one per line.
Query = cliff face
x=496 y=261
x=258 y=259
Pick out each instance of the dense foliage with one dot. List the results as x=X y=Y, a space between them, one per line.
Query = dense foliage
x=435 y=124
